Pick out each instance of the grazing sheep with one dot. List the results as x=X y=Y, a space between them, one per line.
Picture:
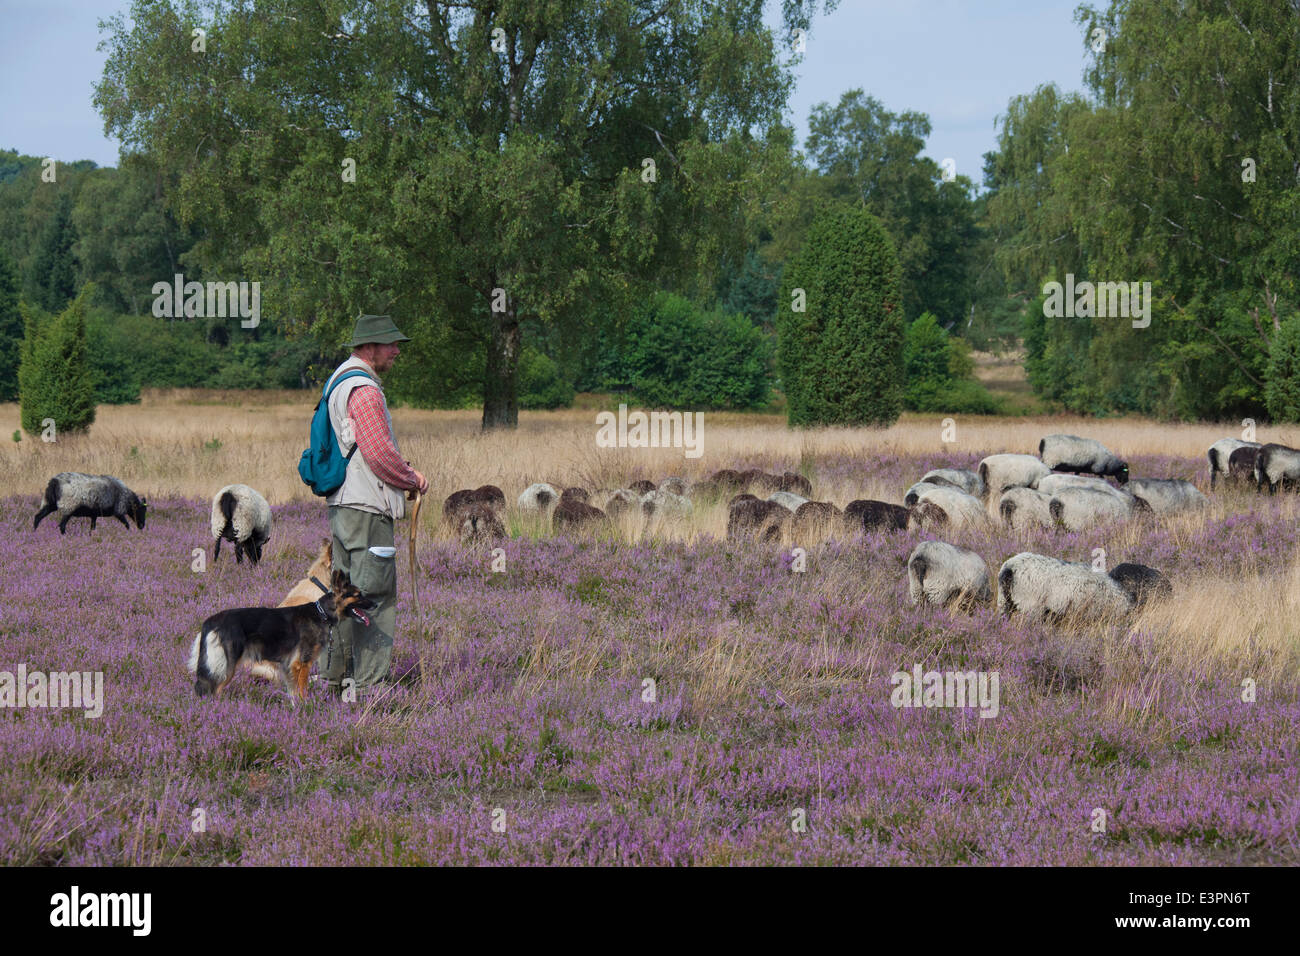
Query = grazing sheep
x=1277 y=465
x=1051 y=484
x=1048 y=589
x=1076 y=509
x=918 y=489
x=1241 y=465
x=1025 y=508
x=576 y=494
x=621 y=501
x=723 y=481
x=746 y=496
x=456 y=504
x=790 y=481
x=74 y=495
x=1220 y=454
x=1000 y=472
x=539 y=498
x=1141 y=583
x=867 y=515
x=787 y=499
x=1167 y=495
x=958 y=478
x=241 y=515
x=814 y=518
x=677 y=486
x=572 y=513
x=665 y=504
x=1082 y=456
x=758 y=480
x=941 y=574
x=642 y=487
x=943 y=507
x=763 y=519
x=480 y=524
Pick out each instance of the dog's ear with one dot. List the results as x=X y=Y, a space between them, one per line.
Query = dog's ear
x=338 y=580
x=328 y=550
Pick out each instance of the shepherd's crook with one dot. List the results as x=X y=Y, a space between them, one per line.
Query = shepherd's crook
x=415 y=578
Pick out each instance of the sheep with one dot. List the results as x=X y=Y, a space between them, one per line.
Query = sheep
x=761 y=518
x=74 y=495
x=958 y=478
x=921 y=487
x=787 y=500
x=479 y=524
x=1024 y=508
x=1076 y=509
x=1141 y=582
x=1081 y=455
x=1220 y=453
x=947 y=507
x=1167 y=495
x=1000 y=472
x=677 y=486
x=539 y=498
x=813 y=518
x=621 y=501
x=1049 y=589
x=941 y=574
x=572 y=513
x=746 y=496
x=665 y=504
x=790 y=481
x=241 y=515
x=456 y=504
x=1051 y=484
x=867 y=515
x=1241 y=465
x=1277 y=465
x=576 y=494
x=642 y=487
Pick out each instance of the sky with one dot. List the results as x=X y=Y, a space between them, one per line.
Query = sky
x=958 y=61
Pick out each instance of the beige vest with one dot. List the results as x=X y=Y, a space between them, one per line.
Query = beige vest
x=361 y=489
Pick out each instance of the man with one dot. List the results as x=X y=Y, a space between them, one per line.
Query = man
x=363 y=509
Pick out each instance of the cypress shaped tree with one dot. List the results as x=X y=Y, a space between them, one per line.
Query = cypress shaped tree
x=55 y=378
x=841 y=359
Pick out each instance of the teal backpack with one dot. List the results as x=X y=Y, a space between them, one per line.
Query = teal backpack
x=322 y=466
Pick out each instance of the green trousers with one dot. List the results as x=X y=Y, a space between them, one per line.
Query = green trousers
x=356 y=651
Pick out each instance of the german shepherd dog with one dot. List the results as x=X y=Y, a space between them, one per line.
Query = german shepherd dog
x=281 y=643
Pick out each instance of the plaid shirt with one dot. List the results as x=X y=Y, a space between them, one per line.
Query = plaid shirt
x=370 y=428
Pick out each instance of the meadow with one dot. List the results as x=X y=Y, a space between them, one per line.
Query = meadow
x=520 y=729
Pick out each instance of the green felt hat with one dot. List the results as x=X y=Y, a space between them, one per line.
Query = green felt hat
x=379 y=329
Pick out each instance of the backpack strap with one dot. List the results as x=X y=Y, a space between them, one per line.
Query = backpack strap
x=329 y=390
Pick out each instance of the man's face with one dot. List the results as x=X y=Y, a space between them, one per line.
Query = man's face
x=381 y=357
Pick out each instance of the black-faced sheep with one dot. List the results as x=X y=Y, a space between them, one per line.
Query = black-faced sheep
x=241 y=515
x=941 y=574
x=1276 y=465
x=1081 y=456
x=621 y=501
x=1025 y=508
x=642 y=486
x=1046 y=588
x=913 y=493
x=787 y=499
x=958 y=478
x=1000 y=472
x=665 y=504
x=1241 y=465
x=74 y=495
x=943 y=507
x=763 y=519
x=479 y=524
x=868 y=515
x=1077 y=509
x=1167 y=495
x=1220 y=453
x=539 y=498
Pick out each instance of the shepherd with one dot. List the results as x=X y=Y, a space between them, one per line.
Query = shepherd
x=363 y=509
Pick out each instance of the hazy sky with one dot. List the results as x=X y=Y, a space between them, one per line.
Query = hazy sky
x=959 y=61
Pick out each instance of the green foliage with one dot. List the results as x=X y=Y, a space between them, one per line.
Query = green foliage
x=1282 y=394
x=54 y=378
x=11 y=329
x=939 y=372
x=53 y=278
x=541 y=384
x=841 y=360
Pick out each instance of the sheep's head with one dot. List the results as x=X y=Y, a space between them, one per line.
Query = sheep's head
x=137 y=511
x=1122 y=475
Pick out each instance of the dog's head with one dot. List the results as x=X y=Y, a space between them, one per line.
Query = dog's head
x=348 y=599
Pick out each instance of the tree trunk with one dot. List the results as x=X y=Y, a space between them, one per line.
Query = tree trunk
x=500 y=385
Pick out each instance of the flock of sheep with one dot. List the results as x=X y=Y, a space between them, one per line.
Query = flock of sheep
x=1065 y=486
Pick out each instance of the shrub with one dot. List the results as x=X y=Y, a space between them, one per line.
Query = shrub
x=940 y=372
x=54 y=378
x=540 y=383
x=841 y=360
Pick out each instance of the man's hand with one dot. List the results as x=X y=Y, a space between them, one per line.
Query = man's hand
x=422 y=488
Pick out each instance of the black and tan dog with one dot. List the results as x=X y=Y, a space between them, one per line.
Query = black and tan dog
x=281 y=643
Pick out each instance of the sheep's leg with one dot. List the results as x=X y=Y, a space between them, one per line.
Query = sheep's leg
x=239 y=552
x=40 y=515
x=125 y=523
x=216 y=550
x=63 y=524
x=93 y=518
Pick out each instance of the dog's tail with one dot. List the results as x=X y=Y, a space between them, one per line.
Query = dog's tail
x=208 y=663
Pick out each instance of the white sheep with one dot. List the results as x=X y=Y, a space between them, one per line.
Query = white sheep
x=1025 y=508
x=241 y=515
x=958 y=478
x=1051 y=484
x=918 y=489
x=1221 y=451
x=941 y=574
x=1082 y=455
x=1277 y=465
x=539 y=498
x=1000 y=472
x=74 y=495
x=1045 y=588
x=1077 y=509
x=1167 y=495
x=787 y=499
x=665 y=504
x=943 y=507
